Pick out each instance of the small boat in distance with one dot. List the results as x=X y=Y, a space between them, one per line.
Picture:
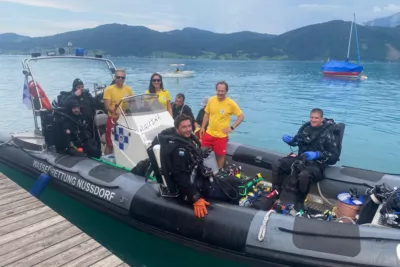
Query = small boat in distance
x=177 y=72
x=344 y=69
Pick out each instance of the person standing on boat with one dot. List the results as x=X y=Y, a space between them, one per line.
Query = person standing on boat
x=182 y=160
x=318 y=145
x=113 y=94
x=88 y=104
x=156 y=86
x=218 y=114
x=179 y=107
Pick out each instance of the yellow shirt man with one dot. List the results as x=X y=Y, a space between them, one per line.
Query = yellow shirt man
x=163 y=97
x=220 y=115
x=115 y=95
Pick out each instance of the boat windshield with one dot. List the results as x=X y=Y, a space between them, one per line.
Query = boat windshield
x=140 y=105
x=55 y=74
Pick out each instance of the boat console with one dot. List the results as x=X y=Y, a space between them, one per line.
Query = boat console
x=142 y=118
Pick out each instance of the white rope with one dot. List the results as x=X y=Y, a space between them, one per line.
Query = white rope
x=263 y=228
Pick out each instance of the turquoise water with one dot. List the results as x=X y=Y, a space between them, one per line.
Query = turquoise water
x=276 y=98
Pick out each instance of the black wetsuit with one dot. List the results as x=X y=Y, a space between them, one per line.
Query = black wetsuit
x=79 y=137
x=183 y=159
x=308 y=138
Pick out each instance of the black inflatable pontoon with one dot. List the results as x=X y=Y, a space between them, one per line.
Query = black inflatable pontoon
x=230 y=230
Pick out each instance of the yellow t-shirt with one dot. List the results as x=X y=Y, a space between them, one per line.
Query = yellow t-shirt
x=220 y=113
x=115 y=94
x=163 y=97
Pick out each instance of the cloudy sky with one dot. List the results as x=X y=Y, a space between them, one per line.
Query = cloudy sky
x=46 y=17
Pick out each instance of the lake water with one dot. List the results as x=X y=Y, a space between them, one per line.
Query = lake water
x=276 y=98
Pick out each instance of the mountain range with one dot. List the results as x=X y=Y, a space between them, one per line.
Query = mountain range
x=390 y=21
x=313 y=42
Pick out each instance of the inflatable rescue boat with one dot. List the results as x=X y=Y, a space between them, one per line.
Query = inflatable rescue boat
x=241 y=233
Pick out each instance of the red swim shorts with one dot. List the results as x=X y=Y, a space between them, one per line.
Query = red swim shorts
x=217 y=144
x=109 y=126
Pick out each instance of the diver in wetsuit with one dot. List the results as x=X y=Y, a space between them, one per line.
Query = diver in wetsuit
x=78 y=136
x=182 y=160
x=317 y=144
x=88 y=104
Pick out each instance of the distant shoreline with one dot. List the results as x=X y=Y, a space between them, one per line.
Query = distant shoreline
x=219 y=59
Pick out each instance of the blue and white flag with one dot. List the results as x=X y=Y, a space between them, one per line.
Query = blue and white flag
x=26 y=95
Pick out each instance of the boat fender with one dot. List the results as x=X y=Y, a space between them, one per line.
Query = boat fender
x=39 y=185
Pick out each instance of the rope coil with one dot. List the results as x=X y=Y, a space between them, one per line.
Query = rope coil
x=263 y=227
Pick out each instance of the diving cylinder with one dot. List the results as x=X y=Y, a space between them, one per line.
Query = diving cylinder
x=157 y=154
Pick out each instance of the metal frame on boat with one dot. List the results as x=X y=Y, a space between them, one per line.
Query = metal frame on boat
x=27 y=71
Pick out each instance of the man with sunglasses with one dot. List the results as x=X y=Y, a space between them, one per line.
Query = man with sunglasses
x=113 y=94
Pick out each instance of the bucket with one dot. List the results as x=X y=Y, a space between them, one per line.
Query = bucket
x=348 y=207
x=79 y=52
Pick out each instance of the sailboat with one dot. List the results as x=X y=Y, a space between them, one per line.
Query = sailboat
x=344 y=69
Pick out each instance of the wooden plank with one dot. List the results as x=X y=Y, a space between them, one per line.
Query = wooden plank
x=25 y=201
x=32 y=234
x=34 y=237
x=14 y=198
x=70 y=254
x=89 y=258
x=28 y=221
x=30 y=229
x=18 y=209
x=11 y=193
x=44 y=249
x=110 y=261
x=23 y=215
x=8 y=189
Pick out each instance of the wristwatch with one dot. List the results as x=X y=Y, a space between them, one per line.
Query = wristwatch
x=232 y=128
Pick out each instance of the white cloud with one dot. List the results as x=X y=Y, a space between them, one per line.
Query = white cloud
x=387 y=8
x=42 y=3
x=318 y=6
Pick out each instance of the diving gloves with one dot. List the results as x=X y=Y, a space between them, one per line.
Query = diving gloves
x=200 y=209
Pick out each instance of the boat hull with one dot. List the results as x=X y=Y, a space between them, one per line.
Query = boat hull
x=350 y=75
x=181 y=74
x=228 y=230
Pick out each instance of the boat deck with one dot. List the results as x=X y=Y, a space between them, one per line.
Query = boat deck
x=32 y=234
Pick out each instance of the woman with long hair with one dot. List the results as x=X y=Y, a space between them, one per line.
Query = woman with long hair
x=156 y=87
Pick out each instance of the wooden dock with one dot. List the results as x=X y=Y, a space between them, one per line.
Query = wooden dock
x=32 y=234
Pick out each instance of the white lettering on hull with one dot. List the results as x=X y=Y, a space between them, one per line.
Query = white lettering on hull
x=74 y=181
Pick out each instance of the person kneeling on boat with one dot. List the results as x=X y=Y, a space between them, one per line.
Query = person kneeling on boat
x=317 y=147
x=183 y=162
x=79 y=138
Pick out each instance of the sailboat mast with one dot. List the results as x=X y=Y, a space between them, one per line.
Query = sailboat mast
x=358 y=48
x=348 y=47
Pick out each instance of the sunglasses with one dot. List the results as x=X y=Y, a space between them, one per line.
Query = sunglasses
x=156 y=80
x=120 y=77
